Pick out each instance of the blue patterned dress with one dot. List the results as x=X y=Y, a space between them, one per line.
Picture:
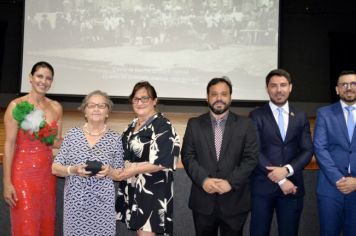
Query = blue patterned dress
x=146 y=201
x=89 y=202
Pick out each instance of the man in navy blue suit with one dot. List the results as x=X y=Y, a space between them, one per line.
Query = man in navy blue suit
x=285 y=149
x=335 y=149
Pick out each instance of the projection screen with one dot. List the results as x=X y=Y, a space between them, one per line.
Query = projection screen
x=177 y=45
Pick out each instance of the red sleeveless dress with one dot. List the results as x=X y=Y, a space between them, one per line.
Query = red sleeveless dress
x=34 y=213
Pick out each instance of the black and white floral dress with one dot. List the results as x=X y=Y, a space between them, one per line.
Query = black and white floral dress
x=146 y=201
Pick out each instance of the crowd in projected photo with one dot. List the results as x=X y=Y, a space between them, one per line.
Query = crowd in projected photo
x=164 y=24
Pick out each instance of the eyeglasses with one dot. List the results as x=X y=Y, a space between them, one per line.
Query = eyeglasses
x=347 y=85
x=98 y=105
x=144 y=99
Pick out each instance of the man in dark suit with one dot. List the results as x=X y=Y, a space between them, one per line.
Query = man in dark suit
x=285 y=149
x=335 y=149
x=219 y=153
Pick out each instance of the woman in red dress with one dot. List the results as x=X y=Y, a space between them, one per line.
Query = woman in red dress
x=33 y=128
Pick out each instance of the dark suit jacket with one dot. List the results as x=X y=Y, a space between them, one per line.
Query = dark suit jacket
x=333 y=149
x=296 y=149
x=238 y=158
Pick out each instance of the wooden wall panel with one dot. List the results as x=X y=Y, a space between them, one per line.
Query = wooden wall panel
x=119 y=121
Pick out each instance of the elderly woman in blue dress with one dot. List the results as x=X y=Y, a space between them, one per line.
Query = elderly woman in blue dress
x=89 y=195
x=151 y=147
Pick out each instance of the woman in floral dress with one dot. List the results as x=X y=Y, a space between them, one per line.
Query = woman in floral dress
x=33 y=128
x=89 y=195
x=151 y=146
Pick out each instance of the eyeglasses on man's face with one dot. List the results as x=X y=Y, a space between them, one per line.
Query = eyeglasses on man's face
x=98 y=105
x=143 y=99
x=351 y=85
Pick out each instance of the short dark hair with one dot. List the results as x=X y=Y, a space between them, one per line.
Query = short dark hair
x=346 y=72
x=217 y=80
x=278 y=72
x=42 y=64
x=143 y=84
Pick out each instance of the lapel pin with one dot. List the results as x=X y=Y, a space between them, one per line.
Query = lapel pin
x=292 y=113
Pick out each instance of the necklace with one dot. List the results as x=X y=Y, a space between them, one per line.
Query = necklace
x=36 y=102
x=141 y=123
x=86 y=129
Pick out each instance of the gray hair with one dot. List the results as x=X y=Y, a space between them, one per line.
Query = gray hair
x=108 y=101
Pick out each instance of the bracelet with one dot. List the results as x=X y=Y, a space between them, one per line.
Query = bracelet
x=68 y=170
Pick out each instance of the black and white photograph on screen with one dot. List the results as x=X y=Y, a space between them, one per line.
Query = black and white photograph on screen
x=177 y=45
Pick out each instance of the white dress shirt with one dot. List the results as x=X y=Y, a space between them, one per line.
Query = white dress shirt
x=343 y=105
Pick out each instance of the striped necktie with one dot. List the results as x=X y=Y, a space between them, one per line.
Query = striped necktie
x=218 y=136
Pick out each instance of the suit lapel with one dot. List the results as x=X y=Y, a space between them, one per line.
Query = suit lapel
x=291 y=123
x=272 y=121
x=341 y=119
x=227 y=134
x=209 y=135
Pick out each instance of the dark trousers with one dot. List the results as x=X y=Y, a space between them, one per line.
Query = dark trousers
x=288 y=211
x=337 y=214
x=209 y=225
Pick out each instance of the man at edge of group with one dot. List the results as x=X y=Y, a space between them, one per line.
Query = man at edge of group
x=285 y=149
x=219 y=153
x=335 y=149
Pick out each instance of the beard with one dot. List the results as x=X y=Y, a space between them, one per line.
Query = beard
x=219 y=111
x=349 y=100
x=279 y=102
